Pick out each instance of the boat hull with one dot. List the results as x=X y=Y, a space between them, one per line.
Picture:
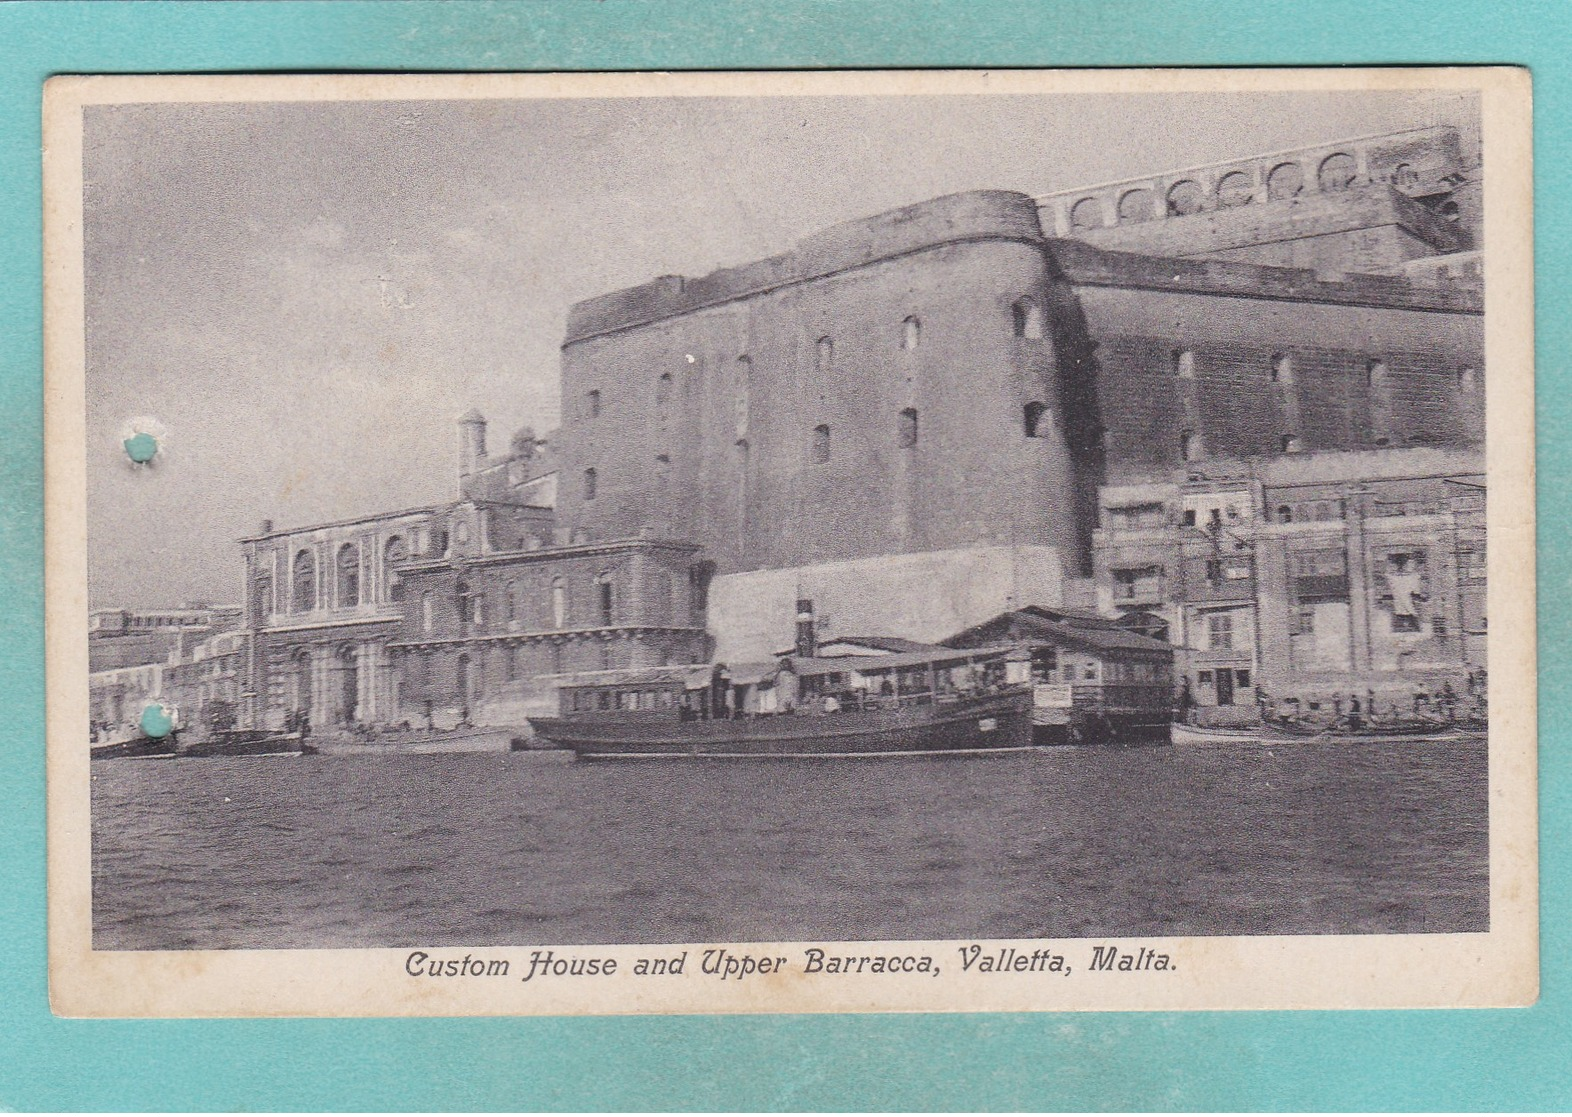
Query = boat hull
x=977 y=725
x=250 y=743
x=1269 y=734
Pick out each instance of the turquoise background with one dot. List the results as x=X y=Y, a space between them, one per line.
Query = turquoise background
x=1392 y=1060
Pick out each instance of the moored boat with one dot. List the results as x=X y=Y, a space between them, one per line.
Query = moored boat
x=1309 y=732
x=249 y=742
x=933 y=702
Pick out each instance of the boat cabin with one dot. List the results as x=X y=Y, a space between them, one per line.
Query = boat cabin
x=1090 y=676
x=805 y=685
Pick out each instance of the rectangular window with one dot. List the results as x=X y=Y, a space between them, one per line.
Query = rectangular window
x=1205 y=678
x=1438 y=626
x=1402 y=622
x=1220 y=631
x=1307 y=622
x=1138 y=582
x=1241 y=677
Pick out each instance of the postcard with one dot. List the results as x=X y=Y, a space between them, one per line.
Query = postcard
x=790 y=542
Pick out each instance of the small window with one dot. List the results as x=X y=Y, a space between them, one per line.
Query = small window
x=1282 y=368
x=604 y=597
x=1468 y=379
x=1285 y=514
x=1220 y=632
x=821 y=444
x=559 y=607
x=1187 y=518
x=1183 y=363
x=1190 y=446
x=591 y=484
x=825 y=354
x=592 y=403
x=1405 y=623
x=1027 y=317
x=510 y=609
x=1438 y=626
x=1241 y=677
x=1204 y=678
x=1375 y=374
x=906 y=433
x=427 y=613
x=911 y=333
x=1035 y=419
x=1291 y=444
x=1307 y=621
x=663 y=388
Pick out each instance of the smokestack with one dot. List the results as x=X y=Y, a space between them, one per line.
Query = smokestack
x=471 y=444
x=807 y=645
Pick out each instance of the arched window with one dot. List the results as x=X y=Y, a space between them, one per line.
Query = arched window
x=824 y=354
x=604 y=598
x=1027 y=318
x=1190 y=446
x=1135 y=206
x=463 y=601
x=1282 y=368
x=820 y=450
x=1033 y=417
x=428 y=611
x=510 y=605
x=591 y=483
x=592 y=403
x=1185 y=197
x=1337 y=172
x=1183 y=363
x=1375 y=374
x=348 y=576
x=1285 y=181
x=1468 y=380
x=1291 y=444
x=305 y=582
x=663 y=388
x=1235 y=189
x=559 y=603
x=1086 y=214
x=477 y=607
x=911 y=333
x=906 y=428
x=393 y=553
x=1404 y=175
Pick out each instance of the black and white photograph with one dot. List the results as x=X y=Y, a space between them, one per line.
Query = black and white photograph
x=861 y=541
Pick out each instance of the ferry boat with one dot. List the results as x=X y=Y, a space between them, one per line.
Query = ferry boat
x=930 y=702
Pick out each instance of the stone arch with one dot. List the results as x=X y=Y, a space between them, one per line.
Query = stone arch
x=1337 y=172
x=1185 y=197
x=1235 y=189
x=1286 y=180
x=1087 y=214
x=1136 y=206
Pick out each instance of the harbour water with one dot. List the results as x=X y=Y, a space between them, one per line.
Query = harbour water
x=502 y=849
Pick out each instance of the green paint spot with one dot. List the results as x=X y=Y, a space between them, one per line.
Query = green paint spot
x=156 y=721
x=140 y=448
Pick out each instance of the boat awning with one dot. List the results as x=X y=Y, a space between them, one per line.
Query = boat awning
x=751 y=674
x=873 y=665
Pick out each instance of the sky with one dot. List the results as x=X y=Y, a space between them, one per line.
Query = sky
x=300 y=299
